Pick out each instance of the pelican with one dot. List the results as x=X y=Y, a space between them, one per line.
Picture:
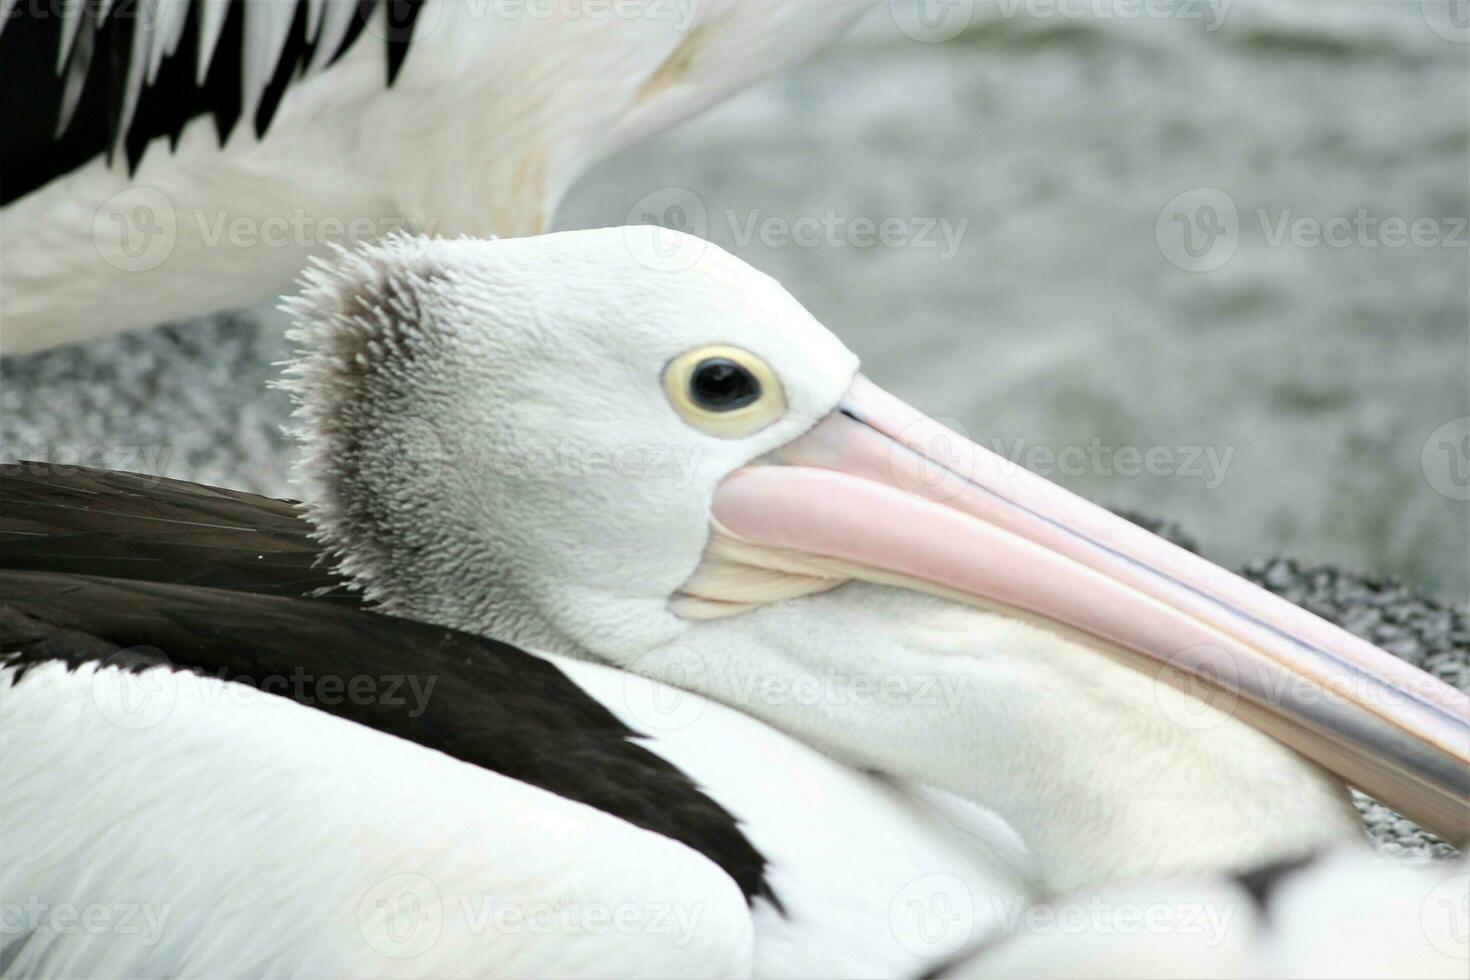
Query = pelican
x=669 y=471
x=168 y=158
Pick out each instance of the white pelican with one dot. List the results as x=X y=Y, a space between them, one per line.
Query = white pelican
x=164 y=158
x=670 y=468
x=826 y=531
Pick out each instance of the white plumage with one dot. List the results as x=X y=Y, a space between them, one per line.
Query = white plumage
x=268 y=838
x=496 y=110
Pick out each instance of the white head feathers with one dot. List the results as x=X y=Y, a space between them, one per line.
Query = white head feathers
x=488 y=442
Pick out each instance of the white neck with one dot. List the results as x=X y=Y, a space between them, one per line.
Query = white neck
x=1106 y=771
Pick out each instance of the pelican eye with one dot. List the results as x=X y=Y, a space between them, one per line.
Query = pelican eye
x=721 y=385
x=725 y=391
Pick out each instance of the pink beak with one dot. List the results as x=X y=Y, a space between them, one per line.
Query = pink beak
x=878 y=484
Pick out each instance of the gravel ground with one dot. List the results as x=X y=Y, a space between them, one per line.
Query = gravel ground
x=1297 y=398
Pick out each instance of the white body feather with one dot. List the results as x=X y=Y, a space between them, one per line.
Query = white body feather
x=1348 y=914
x=243 y=834
x=497 y=110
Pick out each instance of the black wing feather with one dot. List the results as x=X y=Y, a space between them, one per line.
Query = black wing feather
x=401 y=16
x=123 y=525
x=38 y=149
x=294 y=55
x=132 y=571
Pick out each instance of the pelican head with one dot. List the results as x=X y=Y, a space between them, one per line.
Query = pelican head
x=484 y=449
x=565 y=442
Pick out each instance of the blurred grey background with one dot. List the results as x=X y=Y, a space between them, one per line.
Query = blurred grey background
x=1205 y=261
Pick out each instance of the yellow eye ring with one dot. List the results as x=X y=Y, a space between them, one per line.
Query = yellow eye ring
x=724 y=391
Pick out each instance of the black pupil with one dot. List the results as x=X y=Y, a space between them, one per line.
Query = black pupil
x=721 y=385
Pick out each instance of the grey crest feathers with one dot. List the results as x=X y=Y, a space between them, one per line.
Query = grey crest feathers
x=363 y=332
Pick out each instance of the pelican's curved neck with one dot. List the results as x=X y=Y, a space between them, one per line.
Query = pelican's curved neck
x=1106 y=771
